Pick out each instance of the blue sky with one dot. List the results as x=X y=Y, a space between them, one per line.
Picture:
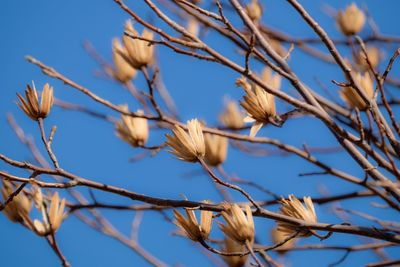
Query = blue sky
x=54 y=31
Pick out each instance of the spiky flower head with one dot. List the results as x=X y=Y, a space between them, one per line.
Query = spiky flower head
x=216 y=149
x=187 y=146
x=351 y=20
x=18 y=209
x=52 y=218
x=133 y=130
x=31 y=106
x=141 y=52
x=190 y=225
x=122 y=71
x=259 y=104
x=292 y=207
x=231 y=116
x=239 y=226
x=350 y=95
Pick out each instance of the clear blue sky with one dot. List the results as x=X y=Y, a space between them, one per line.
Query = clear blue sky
x=53 y=32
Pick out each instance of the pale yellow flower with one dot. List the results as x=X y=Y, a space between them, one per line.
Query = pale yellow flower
x=351 y=20
x=18 y=209
x=31 y=105
x=231 y=116
x=193 y=26
x=278 y=237
x=239 y=226
x=187 y=146
x=216 y=149
x=374 y=56
x=231 y=246
x=123 y=71
x=191 y=227
x=292 y=207
x=141 y=52
x=133 y=130
x=254 y=10
x=259 y=104
x=55 y=216
x=352 y=98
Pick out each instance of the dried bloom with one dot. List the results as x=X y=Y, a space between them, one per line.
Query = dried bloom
x=254 y=10
x=191 y=227
x=374 y=56
x=53 y=220
x=292 y=207
x=37 y=197
x=123 y=71
x=187 y=146
x=31 y=105
x=239 y=227
x=141 y=52
x=278 y=237
x=133 y=130
x=18 y=209
x=193 y=26
x=352 y=98
x=351 y=20
x=259 y=104
x=231 y=116
x=230 y=246
x=216 y=149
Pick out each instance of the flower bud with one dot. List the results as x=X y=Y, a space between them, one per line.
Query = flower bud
x=216 y=149
x=352 y=98
x=18 y=209
x=351 y=20
x=133 y=130
x=123 y=71
x=254 y=10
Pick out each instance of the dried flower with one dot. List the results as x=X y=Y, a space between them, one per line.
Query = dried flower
x=292 y=207
x=141 y=52
x=191 y=227
x=254 y=10
x=193 y=26
x=239 y=227
x=352 y=98
x=231 y=116
x=123 y=71
x=278 y=237
x=31 y=105
x=216 y=149
x=37 y=197
x=351 y=20
x=18 y=209
x=133 y=130
x=230 y=246
x=374 y=56
x=187 y=146
x=259 y=104
x=52 y=221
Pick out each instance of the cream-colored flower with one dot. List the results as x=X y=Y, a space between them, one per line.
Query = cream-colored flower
x=239 y=226
x=374 y=56
x=18 y=209
x=231 y=116
x=352 y=98
x=37 y=197
x=31 y=105
x=351 y=20
x=51 y=221
x=122 y=71
x=187 y=146
x=231 y=246
x=216 y=149
x=254 y=10
x=292 y=207
x=133 y=130
x=141 y=52
x=191 y=227
x=259 y=104
x=278 y=237
x=193 y=26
